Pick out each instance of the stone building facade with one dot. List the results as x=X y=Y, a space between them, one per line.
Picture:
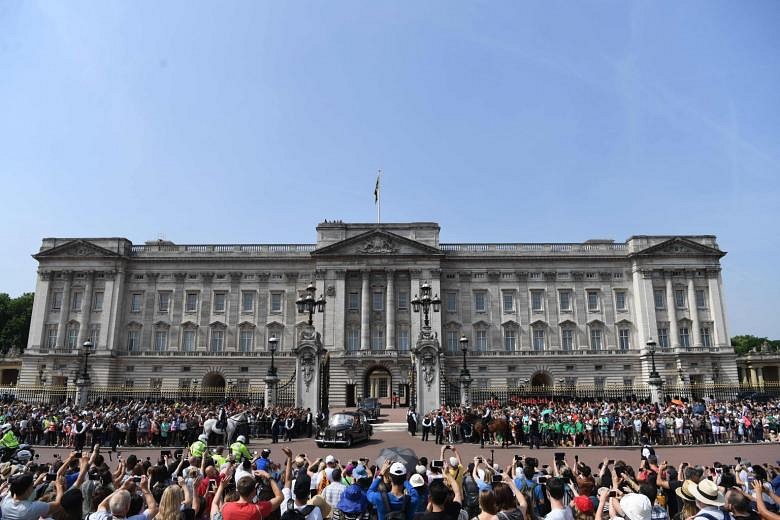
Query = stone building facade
x=542 y=314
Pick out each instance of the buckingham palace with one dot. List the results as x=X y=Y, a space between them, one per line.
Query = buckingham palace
x=163 y=313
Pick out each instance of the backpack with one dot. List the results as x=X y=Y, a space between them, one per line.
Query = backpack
x=470 y=493
x=390 y=514
x=297 y=514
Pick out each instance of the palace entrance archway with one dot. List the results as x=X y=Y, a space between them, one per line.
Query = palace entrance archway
x=541 y=379
x=379 y=384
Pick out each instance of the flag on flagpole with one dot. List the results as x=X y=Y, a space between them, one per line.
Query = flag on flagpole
x=376 y=188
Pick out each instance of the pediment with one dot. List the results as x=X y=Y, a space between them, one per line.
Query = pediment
x=481 y=324
x=680 y=246
x=452 y=324
x=246 y=325
x=274 y=324
x=378 y=242
x=538 y=323
x=218 y=324
x=510 y=324
x=567 y=323
x=189 y=324
x=595 y=322
x=77 y=249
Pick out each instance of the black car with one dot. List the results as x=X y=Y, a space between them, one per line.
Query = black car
x=371 y=408
x=344 y=428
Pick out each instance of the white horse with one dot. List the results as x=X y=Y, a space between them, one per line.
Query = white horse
x=227 y=428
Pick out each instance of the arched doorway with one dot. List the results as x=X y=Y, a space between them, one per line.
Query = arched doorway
x=378 y=384
x=541 y=379
x=213 y=386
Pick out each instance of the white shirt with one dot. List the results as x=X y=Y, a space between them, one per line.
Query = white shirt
x=315 y=514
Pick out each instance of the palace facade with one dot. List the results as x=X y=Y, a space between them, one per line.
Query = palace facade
x=162 y=314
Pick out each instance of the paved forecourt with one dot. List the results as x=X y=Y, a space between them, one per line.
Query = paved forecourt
x=390 y=432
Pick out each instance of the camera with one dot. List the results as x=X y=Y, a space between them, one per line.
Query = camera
x=497 y=477
x=437 y=464
x=559 y=456
x=136 y=479
x=543 y=480
x=51 y=477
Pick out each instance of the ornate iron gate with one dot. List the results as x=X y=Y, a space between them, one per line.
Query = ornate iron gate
x=450 y=392
x=413 y=384
x=285 y=394
x=324 y=381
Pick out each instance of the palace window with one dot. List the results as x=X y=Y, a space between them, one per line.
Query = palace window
x=71 y=336
x=701 y=299
x=353 y=301
x=51 y=336
x=276 y=302
x=163 y=301
x=663 y=336
x=564 y=298
x=217 y=340
x=377 y=301
x=599 y=382
x=567 y=338
x=160 y=340
x=75 y=301
x=480 y=301
x=133 y=340
x=628 y=381
x=537 y=300
x=191 y=302
x=56 y=300
x=593 y=301
x=620 y=300
x=685 y=340
x=353 y=339
x=188 y=340
x=97 y=301
x=377 y=339
x=706 y=339
x=624 y=338
x=247 y=301
x=510 y=339
x=538 y=339
x=219 y=301
x=453 y=344
x=480 y=340
x=660 y=298
x=94 y=334
x=246 y=339
x=135 y=302
x=679 y=298
x=403 y=300
x=508 y=298
x=595 y=338
x=403 y=338
x=451 y=301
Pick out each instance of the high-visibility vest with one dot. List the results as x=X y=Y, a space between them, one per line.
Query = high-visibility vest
x=198 y=448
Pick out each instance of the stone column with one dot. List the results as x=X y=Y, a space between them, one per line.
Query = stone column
x=694 y=312
x=38 y=338
x=233 y=311
x=177 y=311
x=671 y=313
x=579 y=305
x=271 y=383
x=64 y=308
x=365 y=313
x=753 y=376
x=114 y=300
x=760 y=374
x=337 y=304
x=86 y=308
x=390 y=310
x=717 y=311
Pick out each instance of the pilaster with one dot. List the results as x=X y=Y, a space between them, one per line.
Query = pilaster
x=64 y=308
x=86 y=307
x=671 y=312
x=365 y=312
x=390 y=310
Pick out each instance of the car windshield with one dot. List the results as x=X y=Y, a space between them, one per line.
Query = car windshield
x=340 y=419
x=369 y=402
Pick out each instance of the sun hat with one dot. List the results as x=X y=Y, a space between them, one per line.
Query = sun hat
x=417 y=480
x=330 y=459
x=360 y=472
x=636 y=506
x=352 y=501
x=397 y=469
x=583 y=504
x=420 y=469
x=454 y=462
x=684 y=491
x=707 y=492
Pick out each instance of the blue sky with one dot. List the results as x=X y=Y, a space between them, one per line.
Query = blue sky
x=503 y=121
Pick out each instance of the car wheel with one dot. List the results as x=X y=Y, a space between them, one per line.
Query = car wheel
x=348 y=442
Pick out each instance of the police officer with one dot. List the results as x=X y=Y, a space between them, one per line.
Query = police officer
x=239 y=449
x=198 y=448
x=8 y=442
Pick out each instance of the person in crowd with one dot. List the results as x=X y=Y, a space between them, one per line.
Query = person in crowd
x=400 y=501
x=239 y=450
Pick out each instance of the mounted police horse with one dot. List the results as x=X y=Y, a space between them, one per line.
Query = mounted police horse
x=498 y=430
x=226 y=428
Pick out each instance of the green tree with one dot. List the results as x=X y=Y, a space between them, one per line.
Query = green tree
x=746 y=342
x=15 y=315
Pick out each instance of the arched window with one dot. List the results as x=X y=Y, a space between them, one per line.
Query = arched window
x=160 y=340
x=511 y=336
x=72 y=335
x=539 y=336
x=217 y=340
x=134 y=337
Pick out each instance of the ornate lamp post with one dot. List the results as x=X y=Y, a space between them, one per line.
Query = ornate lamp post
x=308 y=304
x=273 y=342
x=83 y=381
x=465 y=376
x=651 y=349
x=655 y=381
x=86 y=350
x=425 y=302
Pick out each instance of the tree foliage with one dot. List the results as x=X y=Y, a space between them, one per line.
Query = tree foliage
x=15 y=315
x=746 y=342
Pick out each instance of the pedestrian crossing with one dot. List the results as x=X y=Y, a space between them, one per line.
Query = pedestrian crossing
x=390 y=427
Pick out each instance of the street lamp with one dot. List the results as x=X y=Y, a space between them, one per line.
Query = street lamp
x=86 y=350
x=464 y=347
x=651 y=349
x=273 y=342
x=425 y=301
x=308 y=304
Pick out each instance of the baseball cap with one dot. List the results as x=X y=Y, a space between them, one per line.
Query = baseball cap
x=636 y=506
x=330 y=459
x=397 y=469
x=453 y=462
x=419 y=469
x=417 y=480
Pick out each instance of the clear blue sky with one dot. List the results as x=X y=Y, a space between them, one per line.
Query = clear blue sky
x=503 y=121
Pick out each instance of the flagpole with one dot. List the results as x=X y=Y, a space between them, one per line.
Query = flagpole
x=379 y=198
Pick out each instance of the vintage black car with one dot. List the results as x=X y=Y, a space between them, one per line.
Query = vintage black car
x=371 y=408
x=344 y=428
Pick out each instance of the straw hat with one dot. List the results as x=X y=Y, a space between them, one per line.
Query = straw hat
x=707 y=492
x=684 y=491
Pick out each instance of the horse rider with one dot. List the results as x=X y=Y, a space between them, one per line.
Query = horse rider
x=199 y=447
x=218 y=457
x=239 y=449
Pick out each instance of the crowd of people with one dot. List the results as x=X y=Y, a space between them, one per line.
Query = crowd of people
x=143 y=423
x=601 y=423
x=280 y=486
